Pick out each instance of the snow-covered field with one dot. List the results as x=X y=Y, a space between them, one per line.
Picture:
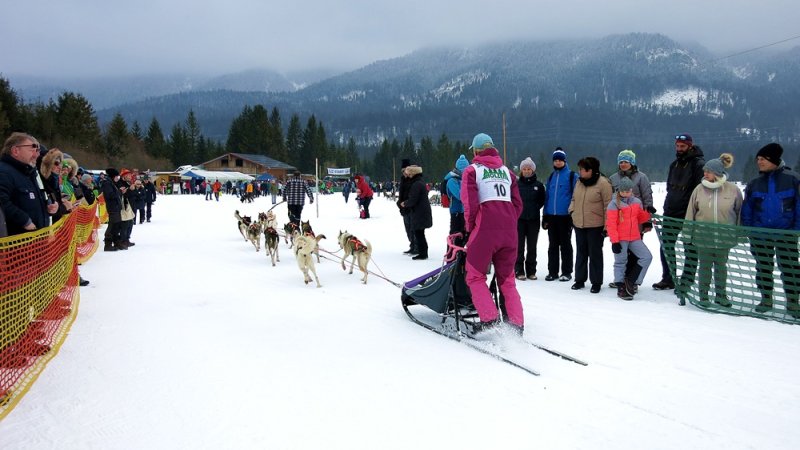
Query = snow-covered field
x=191 y=340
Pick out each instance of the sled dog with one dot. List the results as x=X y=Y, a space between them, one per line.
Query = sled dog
x=359 y=251
x=305 y=228
x=244 y=222
x=254 y=234
x=271 y=242
x=288 y=233
x=303 y=248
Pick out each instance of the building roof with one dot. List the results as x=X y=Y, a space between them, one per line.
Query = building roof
x=265 y=161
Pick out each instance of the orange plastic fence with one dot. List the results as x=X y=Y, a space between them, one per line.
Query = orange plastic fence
x=39 y=297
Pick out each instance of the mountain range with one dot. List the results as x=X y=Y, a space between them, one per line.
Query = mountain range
x=631 y=90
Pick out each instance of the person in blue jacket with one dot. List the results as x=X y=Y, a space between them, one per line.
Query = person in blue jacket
x=772 y=200
x=556 y=219
x=453 y=180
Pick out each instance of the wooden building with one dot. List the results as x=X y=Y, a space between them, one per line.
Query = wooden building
x=249 y=164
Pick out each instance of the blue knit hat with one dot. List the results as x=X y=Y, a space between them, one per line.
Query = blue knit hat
x=627 y=155
x=560 y=154
x=482 y=141
x=462 y=163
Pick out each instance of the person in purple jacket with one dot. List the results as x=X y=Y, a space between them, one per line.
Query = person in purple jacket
x=492 y=205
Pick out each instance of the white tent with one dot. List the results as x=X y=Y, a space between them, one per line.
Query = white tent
x=209 y=175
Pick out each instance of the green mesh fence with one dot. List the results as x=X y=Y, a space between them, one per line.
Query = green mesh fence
x=732 y=269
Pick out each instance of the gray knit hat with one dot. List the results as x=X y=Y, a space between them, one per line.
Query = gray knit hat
x=625 y=184
x=527 y=162
x=717 y=166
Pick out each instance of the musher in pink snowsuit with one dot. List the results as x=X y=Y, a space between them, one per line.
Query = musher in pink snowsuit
x=492 y=206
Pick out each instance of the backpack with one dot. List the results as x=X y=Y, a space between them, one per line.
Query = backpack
x=443 y=194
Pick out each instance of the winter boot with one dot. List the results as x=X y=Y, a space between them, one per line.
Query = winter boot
x=722 y=301
x=765 y=304
x=622 y=292
x=664 y=285
x=630 y=286
x=109 y=247
x=482 y=327
x=120 y=245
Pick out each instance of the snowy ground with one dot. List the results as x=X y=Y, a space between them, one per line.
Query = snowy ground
x=191 y=340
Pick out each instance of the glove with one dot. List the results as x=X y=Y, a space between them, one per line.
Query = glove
x=605 y=233
x=651 y=210
x=545 y=224
x=647 y=226
x=616 y=248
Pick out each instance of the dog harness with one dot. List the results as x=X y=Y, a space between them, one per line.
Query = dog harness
x=358 y=246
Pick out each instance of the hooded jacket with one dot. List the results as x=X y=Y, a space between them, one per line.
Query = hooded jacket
x=623 y=217
x=418 y=203
x=685 y=173
x=20 y=197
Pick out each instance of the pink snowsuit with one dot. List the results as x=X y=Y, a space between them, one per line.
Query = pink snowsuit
x=492 y=206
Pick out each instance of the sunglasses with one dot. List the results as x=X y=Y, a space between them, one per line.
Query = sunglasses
x=681 y=137
x=35 y=146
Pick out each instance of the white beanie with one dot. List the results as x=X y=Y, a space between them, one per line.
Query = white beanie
x=527 y=162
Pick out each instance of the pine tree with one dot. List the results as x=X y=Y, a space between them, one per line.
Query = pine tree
x=178 y=147
x=276 y=144
x=11 y=114
x=352 y=155
x=193 y=138
x=307 y=147
x=154 y=144
x=76 y=121
x=136 y=131
x=294 y=141
x=116 y=139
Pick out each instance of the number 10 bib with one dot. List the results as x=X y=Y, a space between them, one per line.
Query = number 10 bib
x=493 y=184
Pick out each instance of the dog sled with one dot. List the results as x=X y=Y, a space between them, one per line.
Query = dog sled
x=440 y=301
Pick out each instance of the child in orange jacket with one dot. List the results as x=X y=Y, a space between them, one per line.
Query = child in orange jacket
x=624 y=217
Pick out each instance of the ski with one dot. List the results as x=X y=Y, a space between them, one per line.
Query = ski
x=471 y=344
x=563 y=356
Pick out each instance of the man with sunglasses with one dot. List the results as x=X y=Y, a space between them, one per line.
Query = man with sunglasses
x=685 y=173
x=21 y=193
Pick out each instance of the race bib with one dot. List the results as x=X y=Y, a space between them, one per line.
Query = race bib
x=493 y=184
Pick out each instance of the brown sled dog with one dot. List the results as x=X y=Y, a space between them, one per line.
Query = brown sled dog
x=359 y=251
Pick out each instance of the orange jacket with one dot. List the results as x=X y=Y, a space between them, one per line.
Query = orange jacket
x=623 y=217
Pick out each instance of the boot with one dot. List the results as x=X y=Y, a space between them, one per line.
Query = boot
x=630 y=286
x=129 y=243
x=722 y=301
x=765 y=304
x=622 y=292
x=664 y=285
x=482 y=327
x=120 y=245
x=109 y=247
x=420 y=256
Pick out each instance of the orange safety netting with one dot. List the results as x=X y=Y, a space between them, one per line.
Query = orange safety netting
x=39 y=297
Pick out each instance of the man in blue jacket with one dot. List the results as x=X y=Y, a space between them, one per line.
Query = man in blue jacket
x=556 y=219
x=772 y=200
x=22 y=196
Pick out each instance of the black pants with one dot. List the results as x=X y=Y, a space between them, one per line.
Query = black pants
x=422 y=243
x=365 y=203
x=138 y=214
x=669 y=235
x=527 y=238
x=589 y=255
x=559 y=232
x=114 y=228
x=295 y=211
x=457 y=223
x=412 y=241
x=149 y=211
x=785 y=251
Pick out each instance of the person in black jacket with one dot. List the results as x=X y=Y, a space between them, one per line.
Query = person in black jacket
x=87 y=186
x=531 y=190
x=405 y=185
x=138 y=196
x=113 y=198
x=419 y=209
x=22 y=196
x=150 y=198
x=685 y=173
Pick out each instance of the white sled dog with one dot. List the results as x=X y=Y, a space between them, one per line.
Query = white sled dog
x=244 y=222
x=304 y=247
x=361 y=251
x=271 y=238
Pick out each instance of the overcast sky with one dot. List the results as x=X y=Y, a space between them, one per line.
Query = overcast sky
x=102 y=37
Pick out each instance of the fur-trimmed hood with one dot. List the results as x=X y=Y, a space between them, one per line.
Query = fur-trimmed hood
x=413 y=170
x=46 y=163
x=73 y=168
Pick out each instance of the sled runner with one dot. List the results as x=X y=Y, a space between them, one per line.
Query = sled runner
x=440 y=301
